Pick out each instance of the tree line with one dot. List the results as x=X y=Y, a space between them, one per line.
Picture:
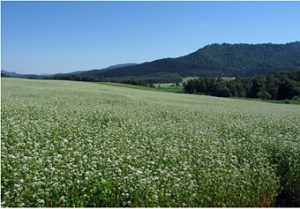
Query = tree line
x=276 y=85
x=144 y=80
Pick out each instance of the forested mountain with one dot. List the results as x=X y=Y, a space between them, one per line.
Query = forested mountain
x=212 y=60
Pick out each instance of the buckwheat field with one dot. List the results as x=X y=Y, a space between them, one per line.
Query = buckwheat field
x=84 y=144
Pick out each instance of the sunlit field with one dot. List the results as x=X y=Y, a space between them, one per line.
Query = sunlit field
x=80 y=144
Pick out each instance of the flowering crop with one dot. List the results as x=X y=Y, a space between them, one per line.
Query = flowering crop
x=83 y=144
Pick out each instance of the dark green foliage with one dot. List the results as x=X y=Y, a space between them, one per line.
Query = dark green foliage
x=233 y=89
x=263 y=94
x=283 y=85
x=135 y=80
x=257 y=86
x=285 y=90
x=222 y=90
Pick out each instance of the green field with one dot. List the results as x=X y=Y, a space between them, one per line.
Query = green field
x=123 y=85
x=169 y=87
x=185 y=79
x=80 y=144
x=163 y=88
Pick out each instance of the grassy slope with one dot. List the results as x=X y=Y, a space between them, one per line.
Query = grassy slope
x=126 y=86
x=79 y=144
x=185 y=79
x=164 y=88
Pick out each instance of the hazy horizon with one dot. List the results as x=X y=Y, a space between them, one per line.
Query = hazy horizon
x=60 y=37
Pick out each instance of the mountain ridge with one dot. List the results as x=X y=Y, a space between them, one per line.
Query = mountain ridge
x=211 y=60
x=217 y=60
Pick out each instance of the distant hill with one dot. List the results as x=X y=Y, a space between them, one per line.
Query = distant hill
x=105 y=69
x=119 y=66
x=211 y=60
x=5 y=73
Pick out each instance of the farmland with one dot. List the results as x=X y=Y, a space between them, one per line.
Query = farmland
x=81 y=144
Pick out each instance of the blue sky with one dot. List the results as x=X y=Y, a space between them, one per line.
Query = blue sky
x=50 y=37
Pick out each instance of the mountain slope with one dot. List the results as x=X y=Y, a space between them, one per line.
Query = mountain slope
x=215 y=59
x=120 y=65
x=211 y=60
